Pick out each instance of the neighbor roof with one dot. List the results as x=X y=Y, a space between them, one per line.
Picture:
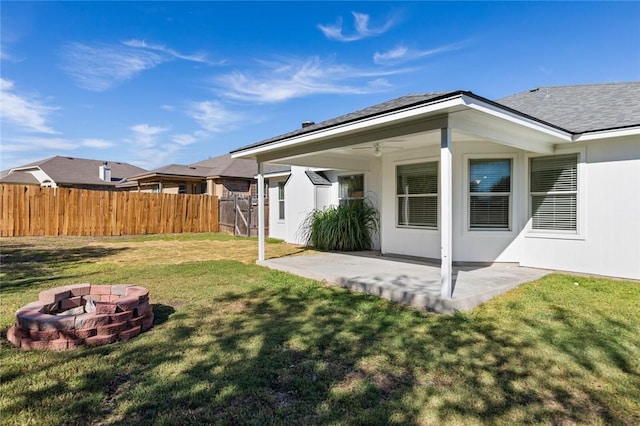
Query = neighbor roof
x=20 y=178
x=71 y=170
x=176 y=170
x=581 y=108
x=227 y=166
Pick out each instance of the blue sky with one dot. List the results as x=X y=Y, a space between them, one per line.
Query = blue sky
x=155 y=83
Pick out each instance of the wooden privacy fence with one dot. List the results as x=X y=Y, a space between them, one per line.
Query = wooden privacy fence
x=239 y=216
x=33 y=211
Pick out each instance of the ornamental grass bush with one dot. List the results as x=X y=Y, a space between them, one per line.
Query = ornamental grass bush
x=348 y=227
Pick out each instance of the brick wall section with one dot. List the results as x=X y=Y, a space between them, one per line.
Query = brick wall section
x=57 y=321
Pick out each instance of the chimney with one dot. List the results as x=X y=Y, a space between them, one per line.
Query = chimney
x=307 y=123
x=105 y=172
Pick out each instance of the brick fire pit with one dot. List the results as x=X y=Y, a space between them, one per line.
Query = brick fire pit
x=67 y=317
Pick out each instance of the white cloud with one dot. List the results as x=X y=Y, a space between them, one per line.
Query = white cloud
x=400 y=53
x=361 y=26
x=145 y=136
x=212 y=116
x=293 y=78
x=184 y=139
x=100 y=66
x=96 y=143
x=30 y=144
x=200 y=57
x=154 y=157
x=27 y=113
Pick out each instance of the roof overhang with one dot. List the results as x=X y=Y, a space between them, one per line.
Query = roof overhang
x=461 y=111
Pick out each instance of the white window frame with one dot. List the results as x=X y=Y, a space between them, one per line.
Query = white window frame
x=580 y=232
x=281 y=200
x=436 y=195
x=347 y=175
x=467 y=193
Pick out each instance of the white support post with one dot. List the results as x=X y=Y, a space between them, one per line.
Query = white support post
x=260 y=213
x=446 y=214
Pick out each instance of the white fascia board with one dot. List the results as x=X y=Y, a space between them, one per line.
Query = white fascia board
x=36 y=171
x=273 y=175
x=354 y=126
x=25 y=169
x=503 y=114
x=606 y=134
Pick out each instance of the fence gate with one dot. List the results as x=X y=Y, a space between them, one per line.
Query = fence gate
x=239 y=216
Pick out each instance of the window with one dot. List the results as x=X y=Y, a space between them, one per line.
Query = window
x=182 y=189
x=203 y=187
x=489 y=193
x=351 y=188
x=553 y=188
x=417 y=191
x=281 y=200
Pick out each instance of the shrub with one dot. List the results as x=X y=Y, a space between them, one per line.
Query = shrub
x=348 y=227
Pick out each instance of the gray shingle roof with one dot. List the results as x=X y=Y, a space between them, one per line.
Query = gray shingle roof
x=177 y=170
x=577 y=109
x=20 y=178
x=581 y=108
x=71 y=170
x=224 y=165
x=372 y=111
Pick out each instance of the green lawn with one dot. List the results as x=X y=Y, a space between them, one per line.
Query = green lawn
x=235 y=343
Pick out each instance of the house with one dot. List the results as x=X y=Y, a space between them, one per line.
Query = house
x=222 y=176
x=70 y=172
x=546 y=178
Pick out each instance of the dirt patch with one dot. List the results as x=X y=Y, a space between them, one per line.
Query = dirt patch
x=176 y=252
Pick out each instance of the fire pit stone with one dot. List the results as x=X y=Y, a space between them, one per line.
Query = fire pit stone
x=67 y=317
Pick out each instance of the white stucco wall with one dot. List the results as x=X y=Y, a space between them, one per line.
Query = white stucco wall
x=301 y=197
x=277 y=227
x=609 y=241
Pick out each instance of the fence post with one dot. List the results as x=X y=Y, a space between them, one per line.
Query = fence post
x=249 y=208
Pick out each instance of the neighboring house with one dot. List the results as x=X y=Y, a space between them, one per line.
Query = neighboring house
x=171 y=179
x=222 y=176
x=70 y=172
x=547 y=178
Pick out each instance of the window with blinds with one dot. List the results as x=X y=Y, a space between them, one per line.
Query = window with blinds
x=417 y=192
x=553 y=188
x=489 y=193
x=281 y=200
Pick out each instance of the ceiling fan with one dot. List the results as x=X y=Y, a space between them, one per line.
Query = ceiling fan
x=378 y=147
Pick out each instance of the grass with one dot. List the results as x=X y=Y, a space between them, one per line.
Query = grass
x=235 y=343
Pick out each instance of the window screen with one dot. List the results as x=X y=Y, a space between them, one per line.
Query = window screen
x=489 y=193
x=417 y=192
x=553 y=188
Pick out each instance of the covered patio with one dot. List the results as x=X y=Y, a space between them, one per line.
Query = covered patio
x=414 y=282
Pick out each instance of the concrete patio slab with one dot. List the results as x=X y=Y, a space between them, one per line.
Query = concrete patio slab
x=409 y=281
